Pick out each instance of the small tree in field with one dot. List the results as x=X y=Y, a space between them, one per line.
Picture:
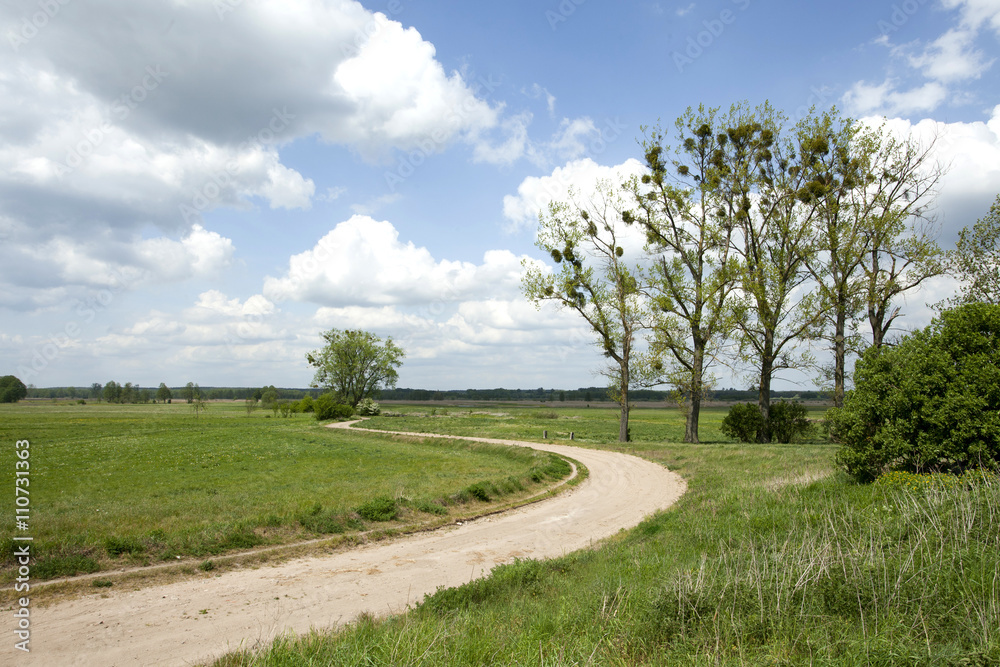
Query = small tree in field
x=355 y=364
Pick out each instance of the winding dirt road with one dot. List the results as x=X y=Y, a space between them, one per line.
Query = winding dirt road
x=191 y=622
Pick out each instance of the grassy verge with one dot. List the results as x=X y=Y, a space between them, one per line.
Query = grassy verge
x=120 y=486
x=770 y=558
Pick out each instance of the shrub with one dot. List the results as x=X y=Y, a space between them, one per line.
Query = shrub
x=306 y=404
x=929 y=404
x=378 y=509
x=369 y=408
x=743 y=423
x=328 y=407
x=787 y=422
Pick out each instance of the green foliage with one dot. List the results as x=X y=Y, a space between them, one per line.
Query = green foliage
x=976 y=259
x=306 y=404
x=787 y=422
x=743 y=423
x=119 y=546
x=356 y=364
x=369 y=408
x=931 y=403
x=378 y=509
x=328 y=407
x=12 y=389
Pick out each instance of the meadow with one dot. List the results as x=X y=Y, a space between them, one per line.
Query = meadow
x=114 y=486
x=771 y=558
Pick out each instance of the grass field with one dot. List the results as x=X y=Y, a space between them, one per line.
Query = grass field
x=771 y=558
x=134 y=485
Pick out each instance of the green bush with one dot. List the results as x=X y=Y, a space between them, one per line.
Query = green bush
x=929 y=404
x=328 y=407
x=743 y=423
x=369 y=408
x=306 y=404
x=787 y=422
x=378 y=509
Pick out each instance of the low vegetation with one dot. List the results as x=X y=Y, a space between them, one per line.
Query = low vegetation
x=772 y=557
x=115 y=486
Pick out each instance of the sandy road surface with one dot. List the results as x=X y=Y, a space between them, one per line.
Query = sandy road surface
x=166 y=625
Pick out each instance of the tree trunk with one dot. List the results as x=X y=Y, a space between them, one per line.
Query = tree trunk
x=694 y=410
x=623 y=435
x=764 y=392
x=839 y=358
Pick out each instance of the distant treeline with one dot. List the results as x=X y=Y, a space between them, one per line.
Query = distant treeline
x=586 y=394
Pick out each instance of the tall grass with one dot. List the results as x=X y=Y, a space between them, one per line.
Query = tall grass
x=771 y=558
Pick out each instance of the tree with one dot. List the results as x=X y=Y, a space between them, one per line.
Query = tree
x=250 y=404
x=112 y=392
x=188 y=392
x=764 y=173
x=595 y=281
x=901 y=250
x=197 y=399
x=356 y=364
x=96 y=390
x=976 y=259
x=12 y=389
x=683 y=209
x=163 y=394
x=930 y=403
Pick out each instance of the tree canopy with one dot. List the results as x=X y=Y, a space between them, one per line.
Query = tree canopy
x=12 y=389
x=356 y=364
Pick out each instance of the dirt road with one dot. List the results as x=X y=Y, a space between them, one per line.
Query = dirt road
x=191 y=622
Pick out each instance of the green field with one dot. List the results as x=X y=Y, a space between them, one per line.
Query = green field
x=134 y=485
x=771 y=558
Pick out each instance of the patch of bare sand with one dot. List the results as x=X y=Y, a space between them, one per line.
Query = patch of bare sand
x=192 y=622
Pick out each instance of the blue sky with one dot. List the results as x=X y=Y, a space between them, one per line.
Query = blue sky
x=191 y=190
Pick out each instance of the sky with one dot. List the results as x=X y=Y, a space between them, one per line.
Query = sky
x=193 y=190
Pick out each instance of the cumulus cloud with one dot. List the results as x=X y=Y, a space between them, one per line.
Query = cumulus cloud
x=120 y=117
x=362 y=261
x=928 y=75
x=535 y=192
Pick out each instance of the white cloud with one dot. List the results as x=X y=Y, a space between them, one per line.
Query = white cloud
x=363 y=262
x=864 y=99
x=971 y=154
x=534 y=193
x=931 y=74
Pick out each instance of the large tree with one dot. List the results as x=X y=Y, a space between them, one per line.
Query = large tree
x=683 y=209
x=976 y=259
x=764 y=171
x=356 y=364
x=163 y=394
x=12 y=389
x=595 y=280
x=873 y=191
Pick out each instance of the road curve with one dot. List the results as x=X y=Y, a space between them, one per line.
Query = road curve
x=193 y=621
